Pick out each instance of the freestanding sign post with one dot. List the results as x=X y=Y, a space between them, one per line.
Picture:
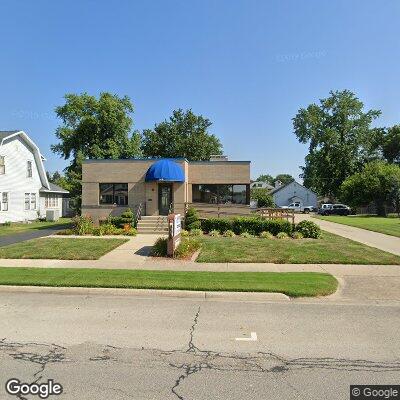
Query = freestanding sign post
x=174 y=233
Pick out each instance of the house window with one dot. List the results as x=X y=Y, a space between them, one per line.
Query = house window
x=27 y=201
x=4 y=201
x=113 y=193
x=51 y=200
x=220 y=194
x=2 y=165
x=29 y=169
x=33 y=201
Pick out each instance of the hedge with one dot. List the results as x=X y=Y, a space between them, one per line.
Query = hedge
x=252 y=225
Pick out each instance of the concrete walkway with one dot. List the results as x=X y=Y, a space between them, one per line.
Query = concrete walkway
x=388 y=243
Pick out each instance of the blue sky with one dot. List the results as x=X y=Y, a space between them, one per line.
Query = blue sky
x=246 y=65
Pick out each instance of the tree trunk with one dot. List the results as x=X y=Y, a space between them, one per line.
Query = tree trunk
x=380 y=208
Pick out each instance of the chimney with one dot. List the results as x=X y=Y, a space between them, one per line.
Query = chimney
x=278 y=183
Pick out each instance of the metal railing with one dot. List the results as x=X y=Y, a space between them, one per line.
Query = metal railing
x=139 y=212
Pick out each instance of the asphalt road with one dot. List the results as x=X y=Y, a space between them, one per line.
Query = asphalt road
x=121 y=347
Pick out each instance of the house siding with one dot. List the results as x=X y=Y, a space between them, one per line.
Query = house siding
x=284 y=196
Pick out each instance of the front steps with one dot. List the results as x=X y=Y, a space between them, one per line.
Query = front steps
x=153 y=224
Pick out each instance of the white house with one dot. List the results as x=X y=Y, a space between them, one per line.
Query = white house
x=283 y=195
x=25 y=192
x=260 y=185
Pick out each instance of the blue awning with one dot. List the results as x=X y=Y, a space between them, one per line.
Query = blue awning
x=165 y=170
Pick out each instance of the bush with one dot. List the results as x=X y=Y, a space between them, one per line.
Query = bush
x=246 y=235
x=192 y=220
x=159 y=248
x=266 y=235
x=297 y=235
x=7 y=223
x=184 y=232
x=83 y=225
x=130 y=232
x=187 y=247
x=196 y=232
x=264 y=199
x=219 y=224
x=215 y=233
x=229 y=233
x=282 y=235
x=127 y=217
x=309 y=229
x=107 y=229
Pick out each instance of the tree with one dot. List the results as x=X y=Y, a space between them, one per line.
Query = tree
x=183 y=135
x=284 y=178
x=266 y=178
x=93 y=128
x=378 y=182
x=391 y=144
x=339 y=134
x=264 y=199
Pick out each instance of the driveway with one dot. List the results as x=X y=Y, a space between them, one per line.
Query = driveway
x=388 y=243
x=121 y=347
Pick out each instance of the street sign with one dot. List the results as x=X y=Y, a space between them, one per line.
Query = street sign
x=174 y=233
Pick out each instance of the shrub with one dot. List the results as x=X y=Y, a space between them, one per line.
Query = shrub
x=264 y=199
x=297 y=235
x=215 y=233
x=127 y=216
x=309 y=229
x=246 y=235
x=83 y=225
x=282 y=235
x=7 y=223
x=196 y=232
x=184 y=232
x=266 y=235
x=192 y=220
x=159 y=248
x=107 y=229
x=187 y=247
x=130 y=232
x=229 y=233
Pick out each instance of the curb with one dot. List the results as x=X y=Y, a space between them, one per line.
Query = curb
x=186 y=294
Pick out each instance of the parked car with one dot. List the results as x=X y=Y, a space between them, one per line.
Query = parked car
x=324 y=207
x=335 y=209
x=297 y=206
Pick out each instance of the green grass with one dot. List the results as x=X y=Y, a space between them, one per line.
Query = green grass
x=293 y=284
x=18 y=227
x=61 y=249
x=329 y=249
x=389 y=225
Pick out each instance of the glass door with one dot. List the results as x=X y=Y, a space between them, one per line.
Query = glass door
x=164 y=197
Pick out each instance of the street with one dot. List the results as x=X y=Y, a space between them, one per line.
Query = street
x=125 y=347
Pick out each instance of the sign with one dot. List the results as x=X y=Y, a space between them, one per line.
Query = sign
x=174 y=233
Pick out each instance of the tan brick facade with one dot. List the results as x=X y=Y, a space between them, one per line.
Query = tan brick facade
x=133 y=172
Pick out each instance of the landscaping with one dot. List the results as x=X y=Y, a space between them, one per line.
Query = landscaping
x=20 y=227
x=328 y=249
x=294 y=284
x=388 y=225
x=61 y=248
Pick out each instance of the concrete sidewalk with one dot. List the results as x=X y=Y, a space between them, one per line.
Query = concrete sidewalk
x=388 y=243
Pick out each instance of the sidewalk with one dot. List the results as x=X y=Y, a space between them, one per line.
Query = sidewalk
x=388 y=243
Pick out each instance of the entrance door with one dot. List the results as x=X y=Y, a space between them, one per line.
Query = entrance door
x=164 y=197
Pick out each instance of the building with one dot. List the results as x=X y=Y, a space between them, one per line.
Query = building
x=261 y=185
x=283 y=195
x=158 y=186
x=25 y=192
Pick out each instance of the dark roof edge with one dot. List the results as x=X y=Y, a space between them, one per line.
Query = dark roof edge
x=107 y=160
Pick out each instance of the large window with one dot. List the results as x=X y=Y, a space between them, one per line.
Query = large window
x=27 y=201
x=4 y=202
x=29 y=169
x=220 y=194
x=51 y=200
x=113 y=193
x=2 y=165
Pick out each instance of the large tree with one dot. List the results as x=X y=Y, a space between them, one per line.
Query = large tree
x=284 y=178
x=93 y=128
x=378 y=182
x=185 y=134
x=339 y=134
x=391 y=144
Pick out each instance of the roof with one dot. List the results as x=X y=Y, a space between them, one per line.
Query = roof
x=122 y=160
x=165 y=170
x=54 y=188
x=4 y=134
x=287 y=184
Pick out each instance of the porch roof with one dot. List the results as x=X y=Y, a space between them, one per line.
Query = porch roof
x=165 y=170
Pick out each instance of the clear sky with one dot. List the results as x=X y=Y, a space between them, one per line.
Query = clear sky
x=246 y=65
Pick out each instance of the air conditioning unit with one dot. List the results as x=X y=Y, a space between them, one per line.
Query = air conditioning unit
x=52 y=215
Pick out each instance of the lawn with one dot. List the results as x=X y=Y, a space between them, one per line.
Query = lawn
x=293 y=284
x=61 y=249
x=329 y=249
x=19 y=227
x=389 y=225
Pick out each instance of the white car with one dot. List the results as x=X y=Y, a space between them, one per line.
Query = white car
x=297 y=206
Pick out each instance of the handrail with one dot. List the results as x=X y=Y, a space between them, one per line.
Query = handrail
x=138 y=213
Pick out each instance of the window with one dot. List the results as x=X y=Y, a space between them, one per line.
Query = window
x=220 y=194
x=33 y=201
x=29 y=169
x=27 y=201
x=2 y=165
x=113 y=193
x=4 y=201
x=51 y=200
